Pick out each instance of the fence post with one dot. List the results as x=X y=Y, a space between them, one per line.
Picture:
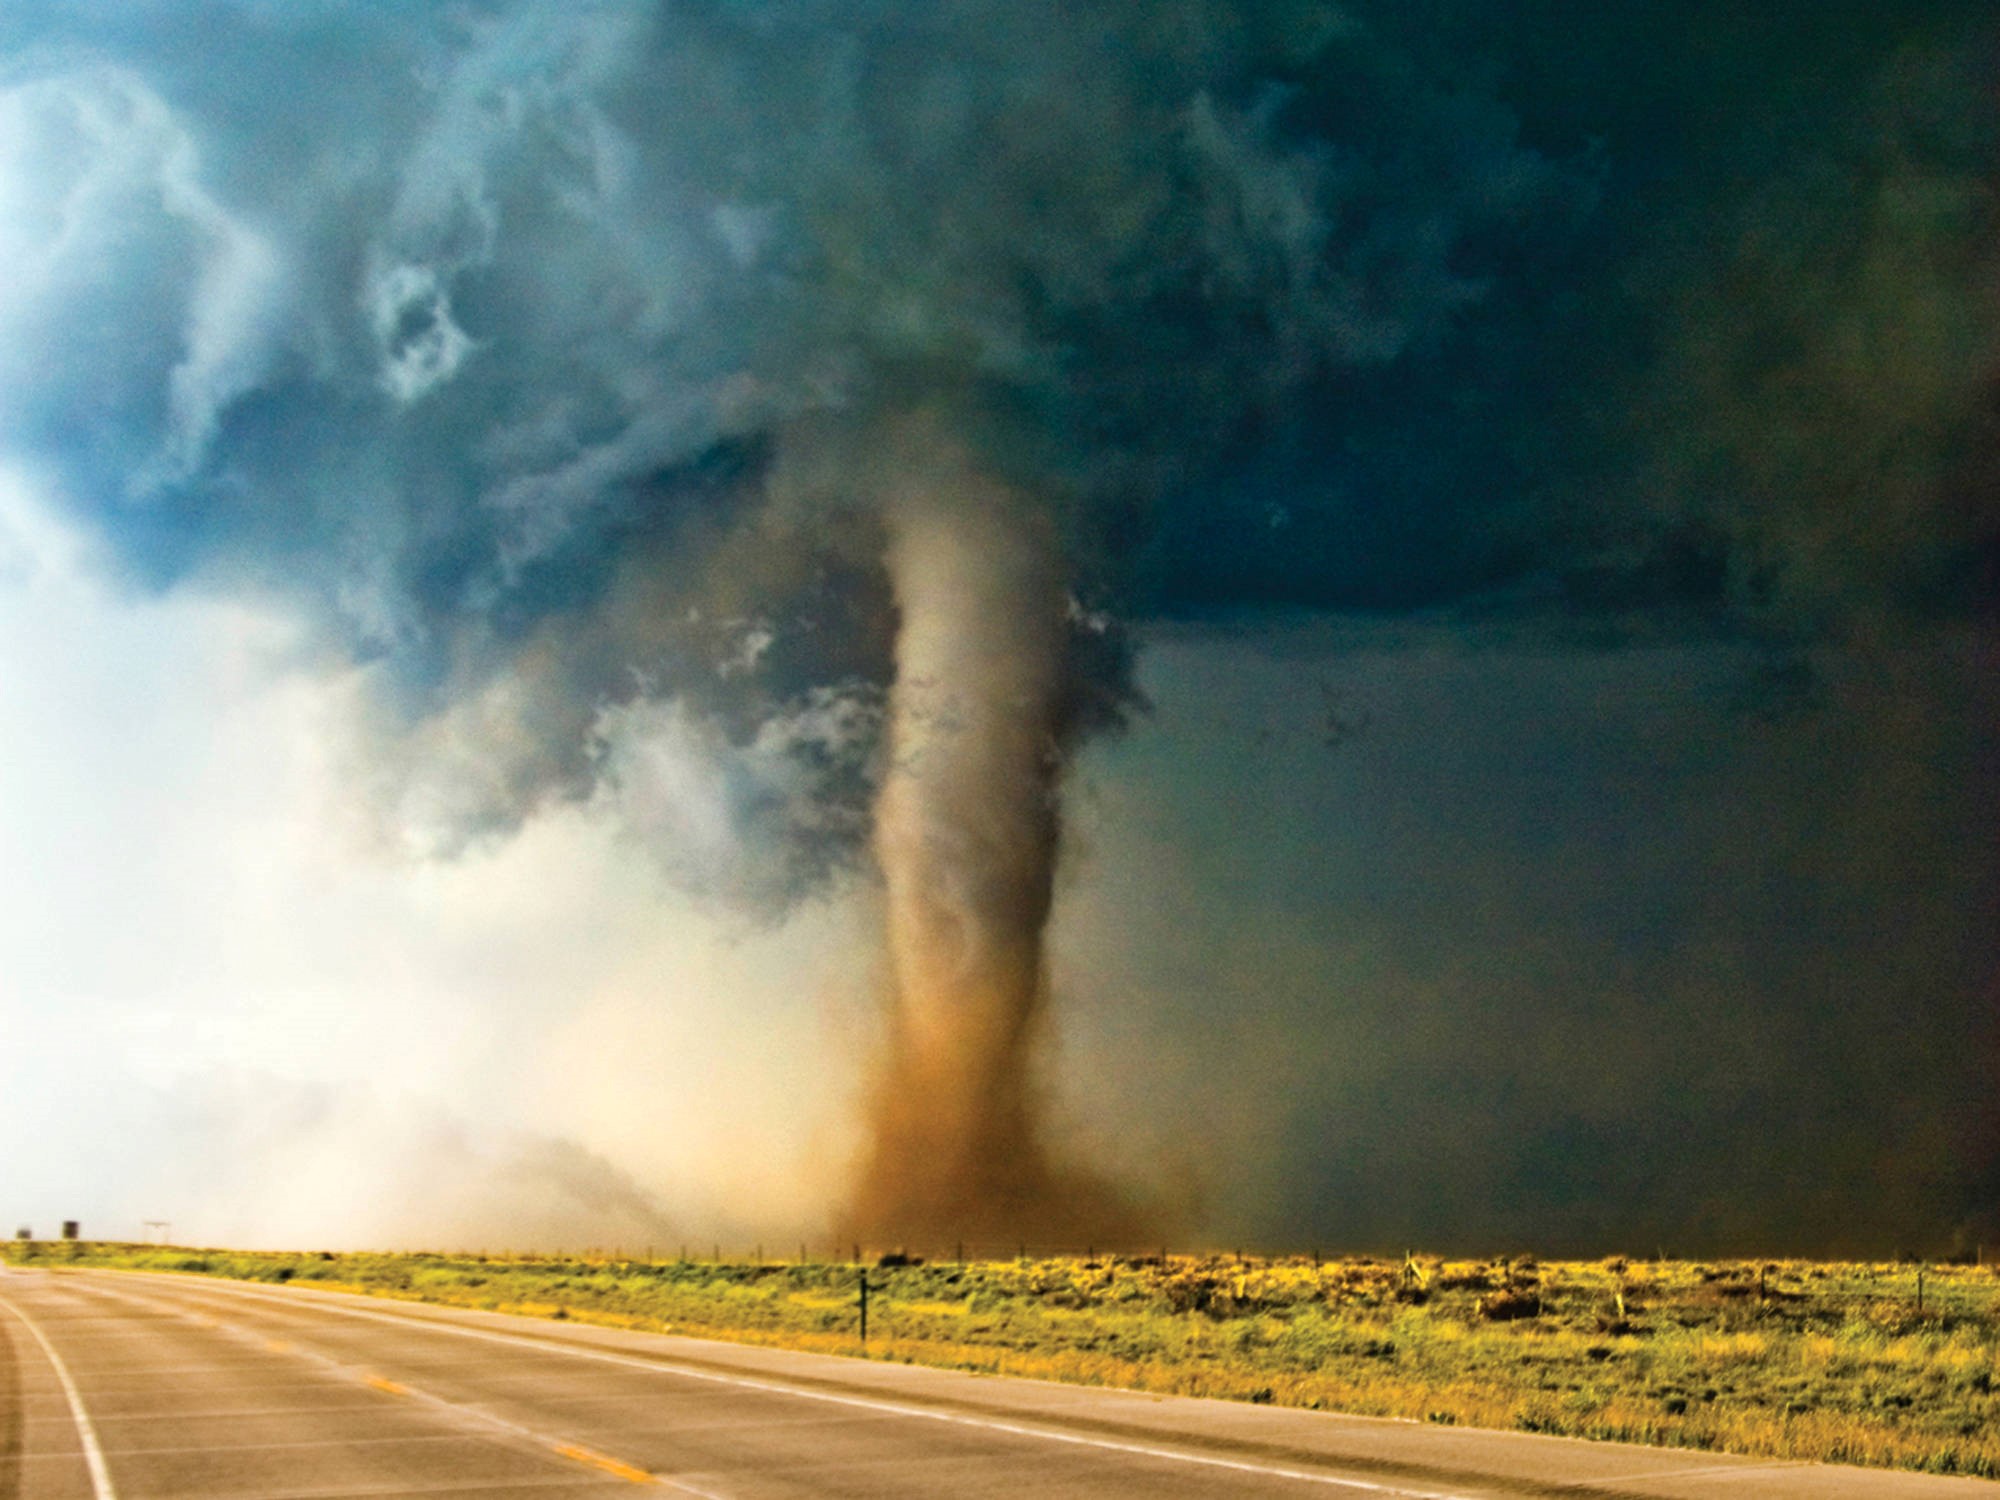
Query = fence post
x=864 y=1308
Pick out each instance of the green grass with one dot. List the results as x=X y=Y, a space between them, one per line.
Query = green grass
x=1794 y=1359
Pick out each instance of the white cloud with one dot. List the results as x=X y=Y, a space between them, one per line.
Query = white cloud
x=421 y=344
x=121 y=265
x=220 y=1010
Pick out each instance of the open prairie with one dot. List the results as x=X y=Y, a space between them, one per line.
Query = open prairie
x=1891 y=1364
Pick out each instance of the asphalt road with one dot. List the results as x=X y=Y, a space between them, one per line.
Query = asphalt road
x=146 y=1387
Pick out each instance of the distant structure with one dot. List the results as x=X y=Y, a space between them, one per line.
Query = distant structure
x=70 y=1229
x=24 y=1233
x=159 y=1231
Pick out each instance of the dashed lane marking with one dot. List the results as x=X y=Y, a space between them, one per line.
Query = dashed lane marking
x=561 y=1447
x=596 y=1460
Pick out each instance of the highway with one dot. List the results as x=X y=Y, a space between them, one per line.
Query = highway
x=121 y=1386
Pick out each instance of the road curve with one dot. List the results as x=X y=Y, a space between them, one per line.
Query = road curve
x=122 y=1386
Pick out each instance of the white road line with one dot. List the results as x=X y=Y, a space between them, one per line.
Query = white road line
x=93 y=1456
x=865 y=1403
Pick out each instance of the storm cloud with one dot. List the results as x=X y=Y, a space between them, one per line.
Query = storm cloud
x=499 y=337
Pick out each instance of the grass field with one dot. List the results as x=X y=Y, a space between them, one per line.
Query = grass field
x=1852 y=1363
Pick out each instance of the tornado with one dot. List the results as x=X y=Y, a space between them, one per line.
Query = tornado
x=966 y=835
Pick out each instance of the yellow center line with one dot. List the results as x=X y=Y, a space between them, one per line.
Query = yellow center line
x=603 y=1461
x=574 y=1452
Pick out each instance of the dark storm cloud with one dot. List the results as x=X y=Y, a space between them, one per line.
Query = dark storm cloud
x=485 y=332
x=1591 y=949
x=481 y=330
x=1759 y=379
